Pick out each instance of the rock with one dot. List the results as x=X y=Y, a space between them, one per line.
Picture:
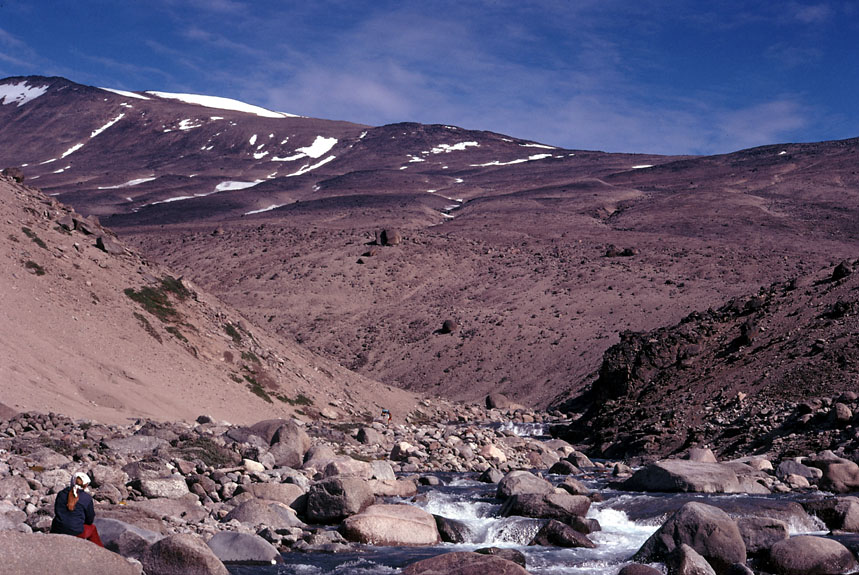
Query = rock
x=790 y=467
x=701 y=455
x=561 y=506
x=842 y=270
x=45 y=554
x=343 y=465
x=134 y=445
x=382 y=470
x=563 y=467
x=491 y=452
x=317 y=457
x=393 y=487
x=48 y=458
x=513 y=555
x=107 y=475
x=55 y=479
x=13 y=487
x=497 y=401
x=452 y=530
x=109 y=245
x=182 y=555
x=638 y=569
x=707 y=529
x=448 y=326
x=840 y=415
x=838 y=513
x=809 y=555
x=273 y=514
x=464 y=563
x=574 y=487
x=519 y=482
x=286 y=493
x=491 y=475
x=559 y=534
x=252 y=466
x=369 y=436
x=839 y=475
x=336 y=498
x=14 y=173
x=124 y=538
x=186 y=508
x=391 y=525
x=232 y=547
x=761 y=533
x=402 y=450
x=388 y=237
x=674 y=475
x=684 y=560
x=797 y=482
x=166 y=487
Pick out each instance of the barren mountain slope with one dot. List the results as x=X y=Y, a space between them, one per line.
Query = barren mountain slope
x=83 y=334
x=541 y=256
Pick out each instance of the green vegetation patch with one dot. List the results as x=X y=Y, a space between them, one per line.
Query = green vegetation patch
x=250 y=357
x=257 y=389
x=155 y=301
x=148 y=326
x=173 y=330
x=176 y=287
x=207 y=451
x=32 y=235
x=233 y=333
x=299 y=399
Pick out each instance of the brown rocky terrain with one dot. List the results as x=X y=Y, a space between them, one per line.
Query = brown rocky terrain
x=92 y=328
x=538 y=257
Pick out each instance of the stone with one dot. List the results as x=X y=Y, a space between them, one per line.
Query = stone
x=393 y=487
x=574 y=487
x=493 y=453
x=182 y=555
x=491 y=475
x=701 y=454
x=333 y=499
x=48 y=458
x=402 y=450
x=343 y=465
x=382 y=470
x=840 y=415
x=386 y=524
x=107 y=475
x=369 y=436
x=134 y=445
x=707 y=529
x=559 y=534
x=497 y=401
x=14 y=172
x=675 y=475
x=165 y=487
x=448 y=326
x=186 y=508
x=839 y=475
x=232 y=547
x=317 y=457
x=453 y=530
x=761 y=533
x=842 y=270
x=563 y=467
x=286 y=493
x=388 y=237
x=838 y=513
x=47 y=554
x=684 y=560
x=513 y=555
x=273 y=514
x=561 y=506
x=638 y=569
x=464 y=563
x=109 y=245
x=13 y=487
x=519 y=482
x=810 y=555
x=252 y=466
x=124 y=538
x=791 y=467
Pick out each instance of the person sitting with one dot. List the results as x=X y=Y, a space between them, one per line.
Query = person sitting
x=74 y=512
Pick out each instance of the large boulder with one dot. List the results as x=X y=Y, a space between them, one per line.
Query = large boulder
x=761 y=533
x=559 y=534
x=286 y=493
x=464 y=563
x=272 y=514
x=686 y=561
x=124 y=538
x=335 y=498
x=166 y=487
x=839 y=475
x=186 y=509
x=134 y=445
x=676 y=475
x=809 y=555
x=838 y=513
x=453 y=530
x=497 y=401
x=31 y=553
x=518 y=482
x=554 y=505
x=707 y=529
x=182 y=555
x=345 y=465
x=233 y=547
x=386 y=524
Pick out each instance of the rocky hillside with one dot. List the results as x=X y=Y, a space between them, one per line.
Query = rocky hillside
x=537 y=257
x=776 y=372
x=93 y=329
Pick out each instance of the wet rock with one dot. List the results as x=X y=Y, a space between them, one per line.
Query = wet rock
x=707 y=529
x=574 y=487
x=182 y=555
x=271 y=514
x=559 y=534
x=491 y=475
x=464 y=563
x=513 y=555
x=674 y=475
x=561 y=506
x=809 y=555
x=332 y=500
x=31 y=553
x=838 y=513
x=391 y=525
x=563 y=467
x=761 y=533
x=452 y=530
x=684 y=560
x=638 y=569
x=520 y=482
x=243 y=548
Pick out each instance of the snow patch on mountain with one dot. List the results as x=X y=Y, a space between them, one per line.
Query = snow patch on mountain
x=306 y=168
x=320 y=146
x=448 y=148
x=511 y=162
x=538 y=146
x=72 y=150
x=268 y=209
x=125 y=93
x=642 y=166
x=106 y=126
x=189 y=124
x=20 y=93
x=229 y=186
x=128 y=184
x=221 y=104
x=253 y=140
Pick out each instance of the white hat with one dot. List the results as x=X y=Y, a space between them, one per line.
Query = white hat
x=82 y=476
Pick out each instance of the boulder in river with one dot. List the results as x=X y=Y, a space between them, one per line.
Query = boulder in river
x=233 y=547
x=386 y=524
x=838 y=513
x=333 y=499
x=686 y=561
x=809 y=555
x=761 y=533
x=554 y=505
x=707 y=529
x=675 y=475
x=519 y=482
x=560 y=534
x=464 y=563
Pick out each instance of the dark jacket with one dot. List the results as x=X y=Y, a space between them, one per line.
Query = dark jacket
x=72 y=522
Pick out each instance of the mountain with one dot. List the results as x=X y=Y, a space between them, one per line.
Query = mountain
x=93 y=329
x=538 y=256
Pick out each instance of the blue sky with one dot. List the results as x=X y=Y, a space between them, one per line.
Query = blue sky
x=617 y=75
